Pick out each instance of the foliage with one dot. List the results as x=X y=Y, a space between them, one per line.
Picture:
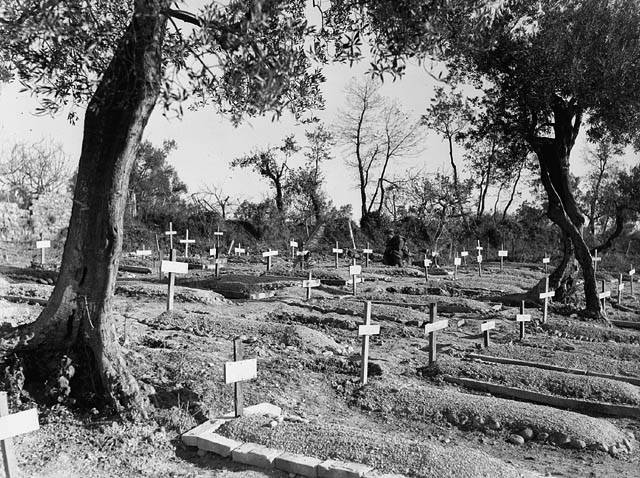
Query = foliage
x=31 y=170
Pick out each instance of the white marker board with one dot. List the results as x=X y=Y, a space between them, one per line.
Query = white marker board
x=269 y=253
x=175 y=267
x=43 y=244
x=19 y=423
x=439 y=325
x=143 y=252
x=336 y=251
x=457 y=261
x=293 y=243
x=546 y=260
x=355 y=270
x=464 y=253
x=212 y=251
x=547 y=295
x=240 y=371
x=503 y=253
x=523 y=317
x=479 y=259
x=369 y=329
x=491 y=324
x=311 y=283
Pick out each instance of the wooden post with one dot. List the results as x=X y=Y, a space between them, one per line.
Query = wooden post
x=431 y=329
x=170 y=233
x=479 y=259
x=603 y=297
x=293 y=245
x=42 y=245
x=10 y=426
x=186 y=241
x=502 y=253
x=173 y=268
x=620 y=289
x=309 y=284
x=595 y=259
x=522 y=319
x=546 y=295
x=464 y=255
x=456 y=263
x=336 y=250
x=354 y=272
x=238 y=397
x=632 y=272
x=427 y=263
x=8 y=454
x=546 y=260
x=485 y=327
x=365 y=331
x=218 y=235
x=268 y=255
x=366 y=253
x=172 y=281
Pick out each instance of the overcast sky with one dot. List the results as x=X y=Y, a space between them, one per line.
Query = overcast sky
x=208 y=142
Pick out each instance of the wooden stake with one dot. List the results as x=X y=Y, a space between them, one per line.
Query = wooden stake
x=336 y=250
x=238 y=397
x=546 y=295
x=431 y=329
x=427 y=263
x=366 y=253
x=170 y=233
x=485 y=327
x=354 y=272
x=365 y=331
x=522 y=319
x=620 y=288
x=632 y=272
x=186 y=241
x=8 y=454
x=172 y=281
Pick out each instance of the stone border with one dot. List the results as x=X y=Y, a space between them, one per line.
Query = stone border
x=205 y=438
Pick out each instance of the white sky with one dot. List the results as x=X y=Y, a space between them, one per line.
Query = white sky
x=208 y=142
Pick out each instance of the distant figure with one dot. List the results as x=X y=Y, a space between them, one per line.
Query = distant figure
x=396 y=251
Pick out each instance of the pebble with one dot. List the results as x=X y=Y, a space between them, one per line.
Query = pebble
x=493 y=424
x=543 y=436
x=526 y=433
x=516 y=439
x=273 y=423
x=578 y=444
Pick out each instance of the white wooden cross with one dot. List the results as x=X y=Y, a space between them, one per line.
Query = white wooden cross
x=186 y=241
x=213 y=252
x=479 y=248
x=427 y=263
x=172 y=267
x=603 y=296
x=309 y=284
x=269 y=254
x=546 y=260
x=485 y=327
x=354 y=272
x=239 y=371
x=42 y=245
x=365 y=331
x=546 y=295
x=595 y=259
x=337 y=251
x=170 y=233
x=457 y=261
x=302 y=254
x=479 y=260
x=431 y=329
x=522 y=318
x=631 y=273
x=293 y=245
x=239 y=250
x=12 y=425
x=366 y=253
x=502 y=253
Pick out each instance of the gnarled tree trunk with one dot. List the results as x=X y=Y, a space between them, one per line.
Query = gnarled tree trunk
x=553 y=156
x=78 y=317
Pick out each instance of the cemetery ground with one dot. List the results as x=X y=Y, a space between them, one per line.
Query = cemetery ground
x=466 y=414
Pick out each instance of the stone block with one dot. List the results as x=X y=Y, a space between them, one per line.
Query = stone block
x=298 y=464
x=190 y=438
x=342 y=469
x=217 y=444
x=262 y=409
x=255 y=455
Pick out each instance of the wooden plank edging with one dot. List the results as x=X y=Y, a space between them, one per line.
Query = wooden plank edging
x=596 y=408
x=555 y=368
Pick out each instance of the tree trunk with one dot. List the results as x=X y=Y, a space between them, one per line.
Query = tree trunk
x=553 y=156
x=513 y=192
x=79 y=316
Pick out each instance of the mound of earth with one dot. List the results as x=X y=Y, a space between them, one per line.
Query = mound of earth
x=181 y=294
x=385 y=452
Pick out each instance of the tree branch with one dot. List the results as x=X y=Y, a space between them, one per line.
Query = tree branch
x=185 y=16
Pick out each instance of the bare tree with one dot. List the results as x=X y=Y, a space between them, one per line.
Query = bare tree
x=600 y=161
x=376 y=131
x=31 y=169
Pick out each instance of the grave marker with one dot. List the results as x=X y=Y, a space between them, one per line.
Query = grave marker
x=464 y=255
x=239 y=371
x=172 y=267
x=603 y=297
x=479 y=260
x=546 y=295
x=365 y=331
x=366 y=253
x=457 y=261
x=427 y=263
x=186 y=241
x=293 y=245
x=431 y=328
x=12 y=425
x=309 y=284
x=337 y=251
x=595 y=259
x=269 y=254
x=522 y=319
x=42 y=245
x=485 y=327
x=213 y=252
x=217 y=263
x=302 y=254
x=620 y=288
x=502 y=253
x=354 y=272
x=218 y=234
x=239 y=250
x=170 y=233
x=143 y=252
x=631 y=273
x=546 y=260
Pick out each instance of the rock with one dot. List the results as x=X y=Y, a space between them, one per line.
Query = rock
x=493 y=424
x=516 y=439
x=578 y=444
x=526 y=433
x=273 y=423
x=561 y=439
x=543 y=436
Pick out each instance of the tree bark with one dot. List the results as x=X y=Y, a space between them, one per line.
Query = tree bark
x=79 y=316
x=553 y=156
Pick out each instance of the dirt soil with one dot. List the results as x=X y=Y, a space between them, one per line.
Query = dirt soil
x=407 y=420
